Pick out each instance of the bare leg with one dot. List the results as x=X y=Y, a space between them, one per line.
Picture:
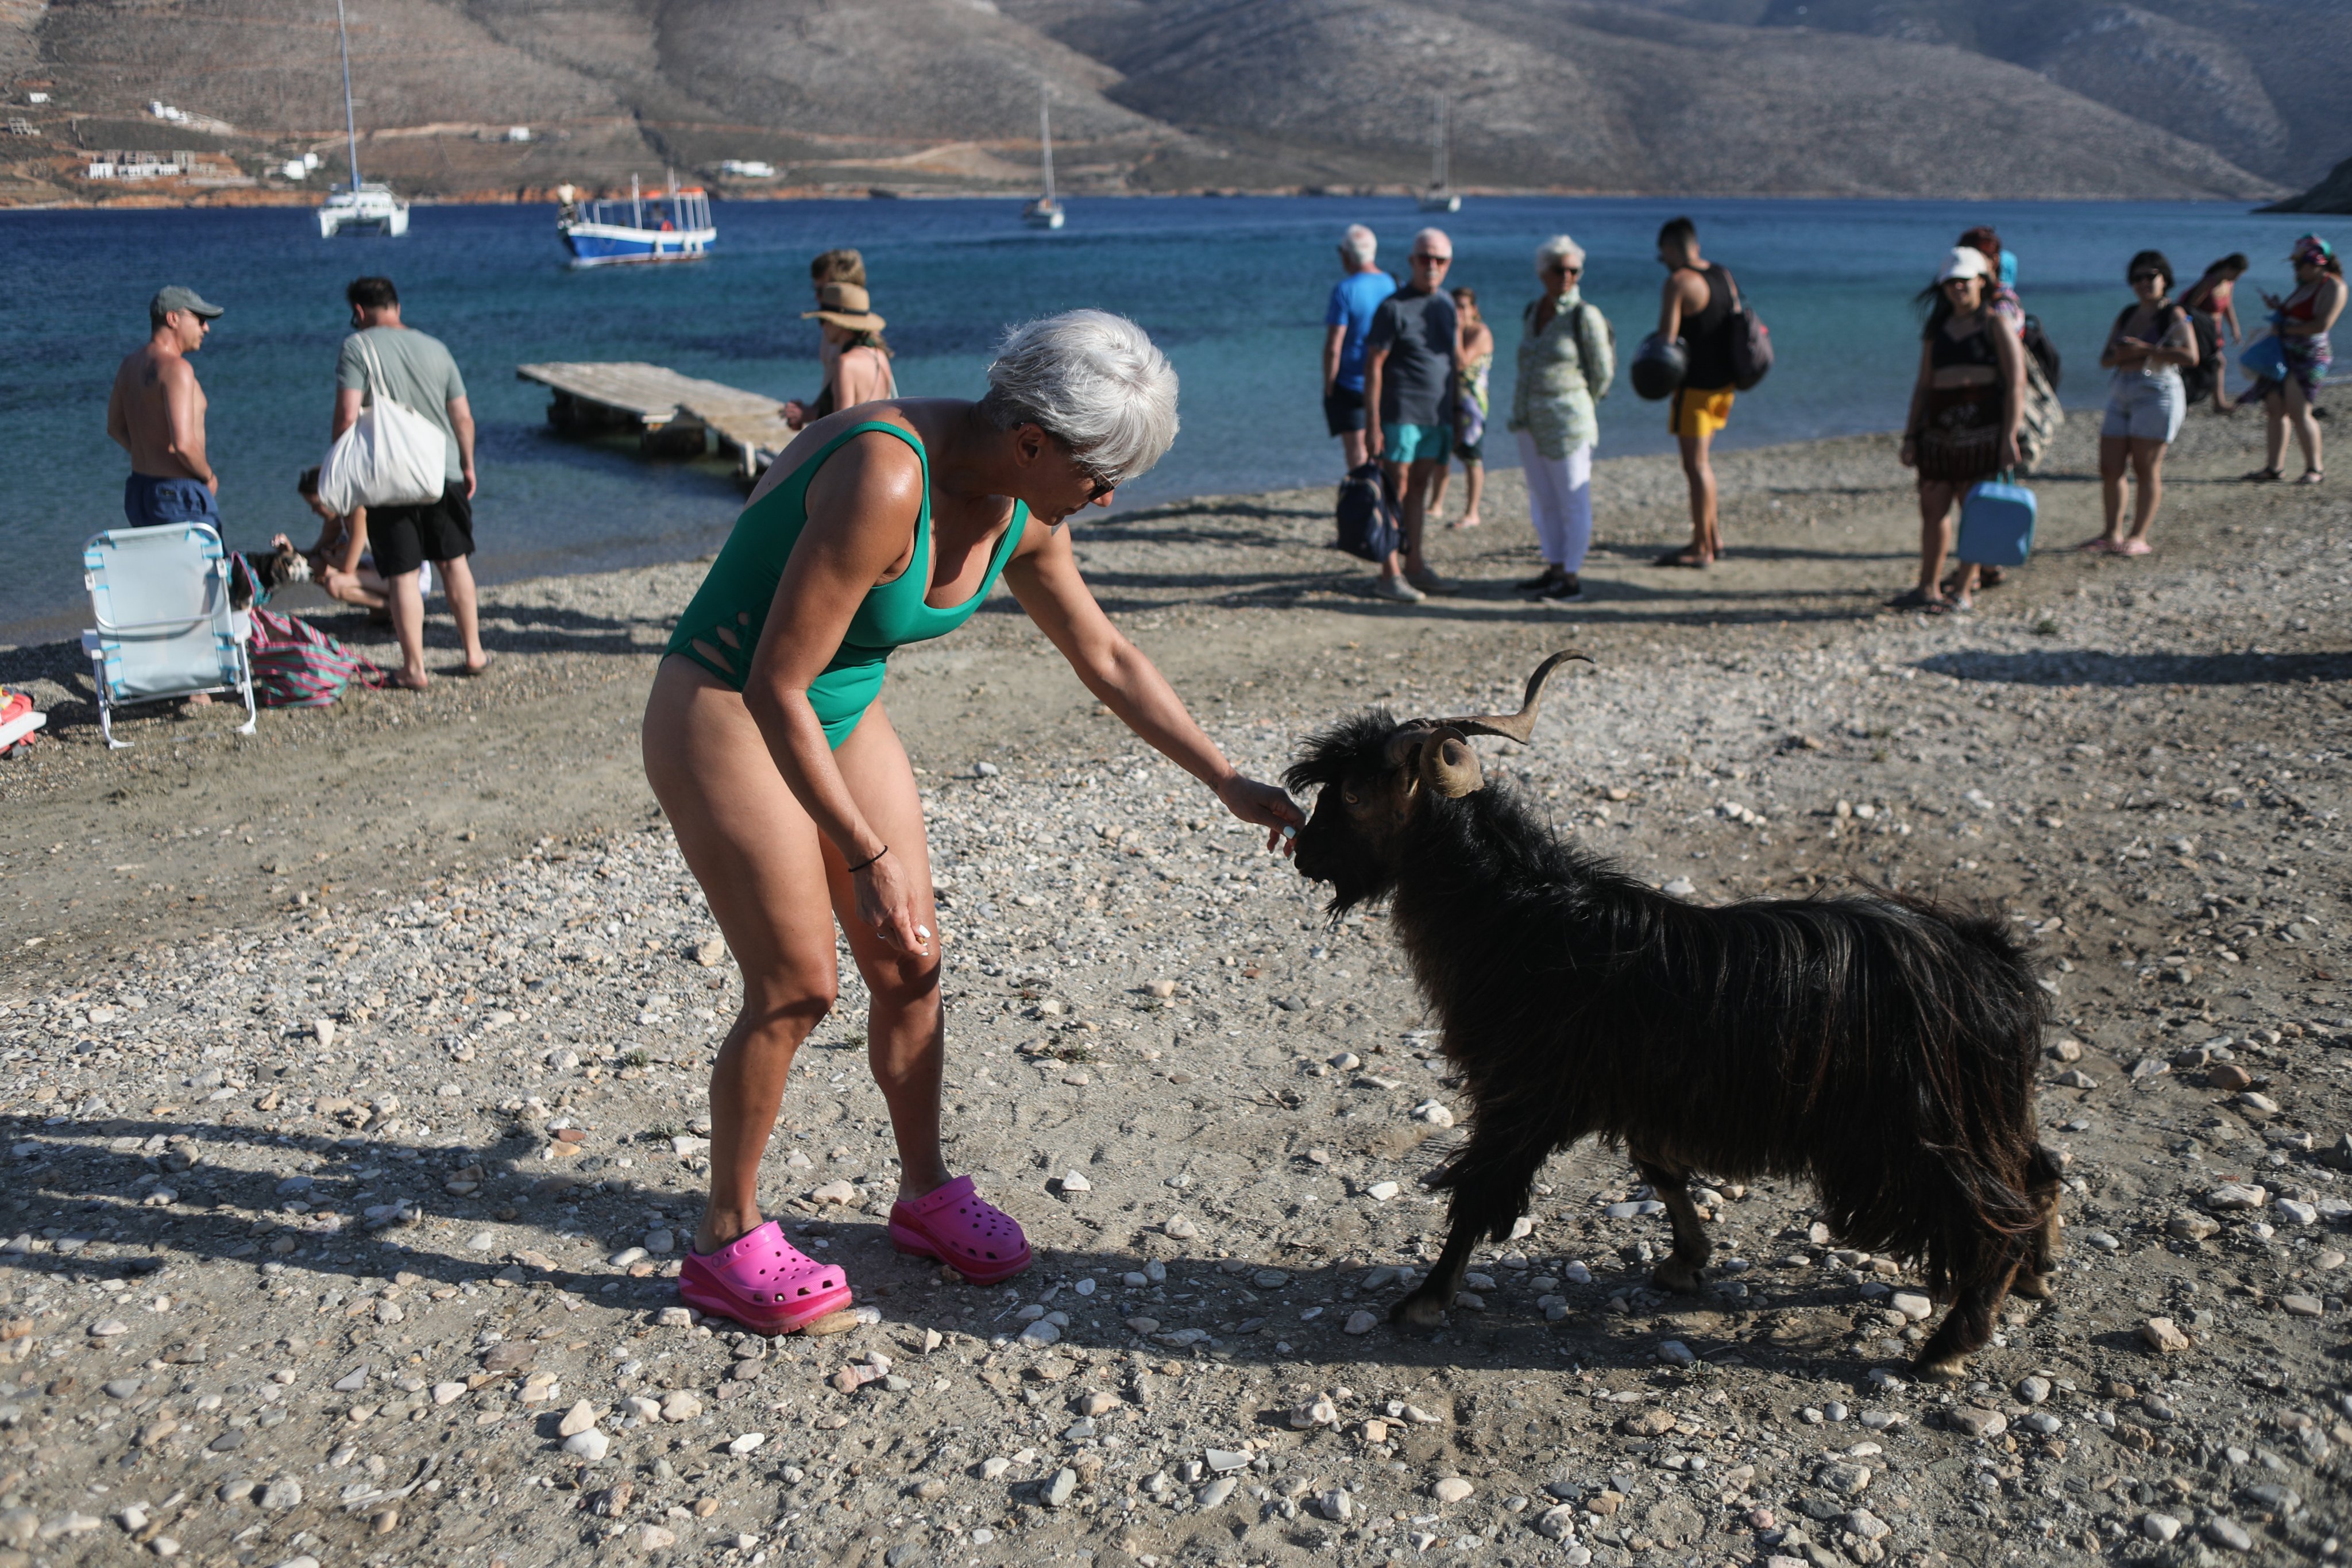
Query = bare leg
x=407 y=605
x=2148 y=473
x=906 y=1036
x=458 y=583
x=1394 y=476
x=1934 y=536
x=1414 y=511
x=1351 y=450
x=1474 y=491
x=2115 y=452
x=1437 y=490
x=1681 y=1271
x=1698 y=470
x=2307 y=429
x=2275 y=430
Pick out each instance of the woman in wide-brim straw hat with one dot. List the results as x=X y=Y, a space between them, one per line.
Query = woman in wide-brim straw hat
x=857 y=360
x=793 y=804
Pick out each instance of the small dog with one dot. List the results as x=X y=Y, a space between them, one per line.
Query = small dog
x=263 y=573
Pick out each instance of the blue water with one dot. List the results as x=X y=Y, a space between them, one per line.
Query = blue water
x=1233 y=289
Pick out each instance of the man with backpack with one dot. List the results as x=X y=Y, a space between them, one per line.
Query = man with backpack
x=384 y=358
x=1697 y=305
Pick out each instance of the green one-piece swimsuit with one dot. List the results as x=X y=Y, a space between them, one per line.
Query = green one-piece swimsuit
x=742 y=585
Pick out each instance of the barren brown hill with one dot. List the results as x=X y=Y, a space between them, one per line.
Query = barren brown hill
x=1707 y=96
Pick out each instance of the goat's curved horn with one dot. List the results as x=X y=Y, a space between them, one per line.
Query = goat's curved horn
x=1519 y=726
x=1450 y=766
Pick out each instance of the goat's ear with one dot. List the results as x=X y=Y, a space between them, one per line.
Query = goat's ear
x=1450 y=766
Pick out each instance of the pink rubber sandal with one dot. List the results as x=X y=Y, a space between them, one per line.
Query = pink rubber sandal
x=962 y=1230
x=763 y=1282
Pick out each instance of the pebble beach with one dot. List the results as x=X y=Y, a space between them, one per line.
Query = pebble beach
x=351 y=1083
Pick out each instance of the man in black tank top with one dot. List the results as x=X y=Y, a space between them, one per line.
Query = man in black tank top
x=1696 y=306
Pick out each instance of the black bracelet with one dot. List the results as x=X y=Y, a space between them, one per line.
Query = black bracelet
x=869 y=859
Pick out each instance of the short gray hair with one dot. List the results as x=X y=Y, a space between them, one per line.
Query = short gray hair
x=1438 y=234
x=1092 y=381
x=1360 y=245
x=1559 y=247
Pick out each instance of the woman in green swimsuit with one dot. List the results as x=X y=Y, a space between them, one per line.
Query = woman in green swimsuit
x=793 y=804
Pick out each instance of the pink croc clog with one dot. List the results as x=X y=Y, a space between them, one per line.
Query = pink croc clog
x=763 y=1282
x=962 y=1230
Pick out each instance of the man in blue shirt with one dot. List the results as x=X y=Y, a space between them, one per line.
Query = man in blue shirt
x=1353 y=299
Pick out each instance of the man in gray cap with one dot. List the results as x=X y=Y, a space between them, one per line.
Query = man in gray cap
x=157 y=415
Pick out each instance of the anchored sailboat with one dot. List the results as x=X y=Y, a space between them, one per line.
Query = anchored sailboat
x=361 y=207
x=1046 y=212
x=1441 y=196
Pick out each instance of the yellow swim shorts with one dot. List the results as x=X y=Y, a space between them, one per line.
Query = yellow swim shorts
x=1695 y=413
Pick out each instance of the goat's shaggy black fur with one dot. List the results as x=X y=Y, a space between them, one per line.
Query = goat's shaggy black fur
x=1882 y=1046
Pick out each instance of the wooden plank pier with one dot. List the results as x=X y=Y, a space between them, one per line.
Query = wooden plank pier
x=674 y=415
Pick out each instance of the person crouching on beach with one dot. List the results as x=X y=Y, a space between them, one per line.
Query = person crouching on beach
x=1964 y=411
x=341 y=563
x=794 y=805
x=2147 y=350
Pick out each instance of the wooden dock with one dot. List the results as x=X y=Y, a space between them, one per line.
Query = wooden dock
x=674 y=415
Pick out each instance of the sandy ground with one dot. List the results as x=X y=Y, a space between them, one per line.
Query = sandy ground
x=352 y=1080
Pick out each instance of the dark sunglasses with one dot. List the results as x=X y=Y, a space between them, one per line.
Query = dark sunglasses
x=1562 y=267
x=1433 y=260
x=2144 y=276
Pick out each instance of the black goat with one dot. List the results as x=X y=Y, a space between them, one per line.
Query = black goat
x=1882 y=1046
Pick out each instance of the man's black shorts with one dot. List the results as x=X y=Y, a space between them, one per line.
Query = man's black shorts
x=1343 y=410
x=404 y=537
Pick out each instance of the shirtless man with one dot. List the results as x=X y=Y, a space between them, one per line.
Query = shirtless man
x=157 y=415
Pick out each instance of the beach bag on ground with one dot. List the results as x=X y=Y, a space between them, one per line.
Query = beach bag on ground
x=1658 y=368
x=1997 y=523
x=2039 y=419
x=391 y=454
x=296 y=665
x=1751 y=344
x=1369 y=524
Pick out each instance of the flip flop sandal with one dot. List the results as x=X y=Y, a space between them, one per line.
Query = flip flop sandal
x=1686 y=559
x=763 y=1282
x=961 y=1229
x=2263 y=476
x=2135 y=547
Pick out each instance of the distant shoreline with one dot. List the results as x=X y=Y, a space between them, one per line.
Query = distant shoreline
x=217 y=201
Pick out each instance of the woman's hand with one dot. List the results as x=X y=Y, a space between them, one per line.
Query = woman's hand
x=1908 y=454
x=1265 y=805
x=795 y=413
x=885 y=904
x=2008 y=450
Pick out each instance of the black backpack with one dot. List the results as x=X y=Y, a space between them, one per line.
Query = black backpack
x=2044 y=351
x=1751 y=342
x=1369 y=524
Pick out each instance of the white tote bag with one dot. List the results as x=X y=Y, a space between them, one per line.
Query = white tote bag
x=391 y=456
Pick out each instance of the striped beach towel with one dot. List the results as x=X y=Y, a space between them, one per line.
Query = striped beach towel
x=296 y=665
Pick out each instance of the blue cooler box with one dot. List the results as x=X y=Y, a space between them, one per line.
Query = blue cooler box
x=1997 y=524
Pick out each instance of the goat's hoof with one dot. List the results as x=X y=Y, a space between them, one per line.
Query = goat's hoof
x=2033 y=1286
x=1947 y=1369
x=1672 y=1274
x=1418 y=1311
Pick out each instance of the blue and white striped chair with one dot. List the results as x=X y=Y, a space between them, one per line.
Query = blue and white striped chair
x=165 y=628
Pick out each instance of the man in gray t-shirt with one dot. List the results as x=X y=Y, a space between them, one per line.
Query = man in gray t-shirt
x=1409 y=357
x=414 y=370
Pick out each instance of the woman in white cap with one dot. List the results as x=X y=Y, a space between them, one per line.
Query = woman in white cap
x=1964 y=412
x=858 y=367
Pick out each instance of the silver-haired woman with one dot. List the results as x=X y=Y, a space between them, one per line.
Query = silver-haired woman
x=1567 y=356
x=769 y=748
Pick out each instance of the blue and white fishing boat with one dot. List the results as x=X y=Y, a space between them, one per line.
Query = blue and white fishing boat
x=673 y=226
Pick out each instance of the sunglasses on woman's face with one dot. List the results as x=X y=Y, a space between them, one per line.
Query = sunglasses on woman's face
x=2144 y=276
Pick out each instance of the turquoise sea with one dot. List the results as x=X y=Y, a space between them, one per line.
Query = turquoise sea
x=1233 y=288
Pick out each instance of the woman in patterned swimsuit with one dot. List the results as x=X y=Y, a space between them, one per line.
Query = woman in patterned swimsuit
x=792 y=801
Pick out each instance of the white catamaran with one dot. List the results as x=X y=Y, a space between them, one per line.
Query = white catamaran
x=361 y=207
x=1046 y=212
x=1441 y=196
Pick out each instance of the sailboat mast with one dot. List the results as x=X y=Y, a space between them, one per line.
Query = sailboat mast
x=351 y=126
x=1437 y=177
x=1045 y=141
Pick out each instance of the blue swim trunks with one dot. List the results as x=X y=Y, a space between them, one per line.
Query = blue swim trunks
x=151 y=502
x=1416 y=443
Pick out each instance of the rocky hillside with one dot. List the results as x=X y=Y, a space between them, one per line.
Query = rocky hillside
x=1830 y=97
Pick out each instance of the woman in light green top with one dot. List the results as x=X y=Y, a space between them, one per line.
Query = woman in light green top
x=1567 y=356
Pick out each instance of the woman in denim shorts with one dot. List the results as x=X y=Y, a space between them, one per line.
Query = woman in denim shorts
x=2148 y=346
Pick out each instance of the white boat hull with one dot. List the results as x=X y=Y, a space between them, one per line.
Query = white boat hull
x=374 y=212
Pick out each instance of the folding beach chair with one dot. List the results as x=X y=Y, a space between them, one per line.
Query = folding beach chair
x=159 y=596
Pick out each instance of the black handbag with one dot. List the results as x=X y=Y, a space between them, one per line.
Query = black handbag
x=1369 y=524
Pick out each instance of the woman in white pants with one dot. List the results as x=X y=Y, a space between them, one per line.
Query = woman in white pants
x=1567 y=356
